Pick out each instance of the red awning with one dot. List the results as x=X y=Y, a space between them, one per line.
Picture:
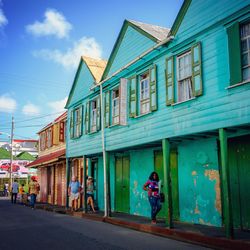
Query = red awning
x=49 y=158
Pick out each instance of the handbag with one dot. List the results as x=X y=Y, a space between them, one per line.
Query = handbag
x=162 y=197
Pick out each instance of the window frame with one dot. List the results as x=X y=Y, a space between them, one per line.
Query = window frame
x=144 y=101
x=77 y=122
x=93 y=128
x=114 y=109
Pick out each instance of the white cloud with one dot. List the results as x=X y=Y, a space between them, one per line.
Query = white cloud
x=70 y=59
x=58 y=106
x=3 y=19
x=7 y=104
x=54 y=24
x=31 y=109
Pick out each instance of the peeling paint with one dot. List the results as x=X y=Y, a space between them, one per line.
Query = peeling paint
x=213 y=175
x=196 y=210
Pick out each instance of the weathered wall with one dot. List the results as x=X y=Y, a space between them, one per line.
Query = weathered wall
x=199 y=182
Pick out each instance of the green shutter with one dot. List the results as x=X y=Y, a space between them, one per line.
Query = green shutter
x=98 y=114
x=153 y=88
x=72 y=124
x=233 y=33
x=80 y=119
x=132 y=97
x=196 y=69
x=169 y=80
x=86 y=121
x=106 y=107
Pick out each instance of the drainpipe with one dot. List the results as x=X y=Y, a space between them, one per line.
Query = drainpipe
x=104 y=156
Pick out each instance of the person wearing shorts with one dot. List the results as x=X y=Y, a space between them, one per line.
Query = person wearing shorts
x=73 y=192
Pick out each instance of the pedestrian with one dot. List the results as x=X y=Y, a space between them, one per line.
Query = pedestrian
x=90 y=193
x=6 y=189
x=21 y=193
x=73 y=192
x=34 y=189
x=152 y=186
x=14 y=191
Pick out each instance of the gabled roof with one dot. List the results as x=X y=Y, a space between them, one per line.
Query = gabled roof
x=160 y=33
x=25 y=156
x=96 y=68
x=5 y=154
x=153 y=32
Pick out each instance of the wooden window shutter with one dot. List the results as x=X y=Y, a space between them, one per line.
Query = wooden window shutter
x=169 y=80
x=61 y=125
x=72 y=124
x=153 y=88
x=133 y=97
x=46 y=138
x=86 y=120
x=123 y=101
x=196 y=69
x=106 y=109
x=80 y=119
x=234 y=50
x=98 y=114
x=56 y=133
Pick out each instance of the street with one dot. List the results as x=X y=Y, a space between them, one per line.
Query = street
x=24 y=228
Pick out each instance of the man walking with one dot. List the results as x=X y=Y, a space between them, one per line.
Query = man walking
x=14 y=191
x=73 y=192
x=34 y=189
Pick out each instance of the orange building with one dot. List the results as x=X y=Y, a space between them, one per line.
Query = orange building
x=51 y=163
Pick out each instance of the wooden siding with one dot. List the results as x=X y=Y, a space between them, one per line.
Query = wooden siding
x=132 y=45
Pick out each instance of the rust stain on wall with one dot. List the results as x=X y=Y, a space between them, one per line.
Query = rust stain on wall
x=194 y=174
x=214 y=175
x=196 y=210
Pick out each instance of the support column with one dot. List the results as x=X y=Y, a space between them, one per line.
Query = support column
x=67 y=180
x=227 y=212
x=108 y=201
x=84 y=205
x=167 y=181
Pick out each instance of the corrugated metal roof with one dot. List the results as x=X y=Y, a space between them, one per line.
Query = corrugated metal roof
x=96 y=66
x=160 y=33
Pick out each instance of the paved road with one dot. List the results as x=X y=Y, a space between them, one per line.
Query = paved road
x=24 y=228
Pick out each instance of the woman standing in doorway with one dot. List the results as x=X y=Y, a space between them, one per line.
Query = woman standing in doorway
x=152 y=186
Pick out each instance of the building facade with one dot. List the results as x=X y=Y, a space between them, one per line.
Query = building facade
x=175 y=101
x=51 y=164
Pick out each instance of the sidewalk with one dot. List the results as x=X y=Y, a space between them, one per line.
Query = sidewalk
x=208 y=236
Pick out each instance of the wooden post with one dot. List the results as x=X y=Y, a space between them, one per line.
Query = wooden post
x=227 y=212
x=67 y=180
x=84 y=205
x=167 y=181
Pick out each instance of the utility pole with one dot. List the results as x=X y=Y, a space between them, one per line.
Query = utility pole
x=11 y=150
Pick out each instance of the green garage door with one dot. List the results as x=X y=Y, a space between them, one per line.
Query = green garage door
x=122 y=201
x=239 y=172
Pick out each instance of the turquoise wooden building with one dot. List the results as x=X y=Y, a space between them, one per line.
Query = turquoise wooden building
x=176 y=101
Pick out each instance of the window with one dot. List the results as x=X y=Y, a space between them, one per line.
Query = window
x=93 y=116
x=49 y=137
x=115 y=106
x=144 y=93
x=42 y=141
x=62 y=131
x=184 y=74
x=245 y=50
x=75 y=124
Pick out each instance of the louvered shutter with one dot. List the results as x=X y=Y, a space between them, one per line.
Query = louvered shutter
x=234 y=48
x=86 y=120
x=153 y=88
x=133 y=97
x=106 y=109
x=123 y=101
x=169 y=80
x=98 y=114
x=55 y=134
x=196 y=69
x=72 y=124
x=80 y=120
x=61 y=125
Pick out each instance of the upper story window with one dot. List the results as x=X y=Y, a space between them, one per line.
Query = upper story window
x=93 y=115
x=184 y=72
x=188 y=74
x=42 y=141
x=75 y=123
x=49 y=137
x=144 y=93
x=115 y=106
x=245 y=50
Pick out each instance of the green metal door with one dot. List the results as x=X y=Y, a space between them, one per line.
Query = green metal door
x=174 y=181
x=122 y=184
x=239 y=172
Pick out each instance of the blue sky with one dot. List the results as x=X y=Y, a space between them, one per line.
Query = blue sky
x=41 y=42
